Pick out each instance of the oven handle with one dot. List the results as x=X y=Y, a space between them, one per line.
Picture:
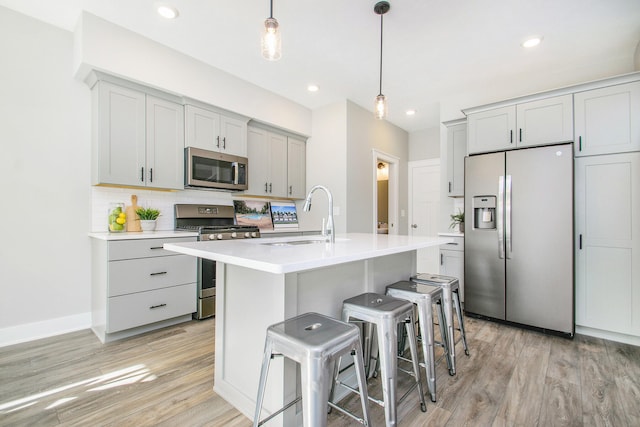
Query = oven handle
x=236 y=172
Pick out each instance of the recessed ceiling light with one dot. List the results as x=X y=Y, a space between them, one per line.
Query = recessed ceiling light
x=532 y=42
x=410 y=112
x=167 y=11
x=313 y=88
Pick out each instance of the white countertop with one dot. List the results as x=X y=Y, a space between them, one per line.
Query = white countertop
x=454 y=234
x=259 y=254
x=160 y=234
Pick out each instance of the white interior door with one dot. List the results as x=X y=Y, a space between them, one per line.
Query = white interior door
x=424 y=206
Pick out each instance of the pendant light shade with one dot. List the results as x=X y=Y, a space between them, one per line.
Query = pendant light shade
x=380 y=106
x=271 y=41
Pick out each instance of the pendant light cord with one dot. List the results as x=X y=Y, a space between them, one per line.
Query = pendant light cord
x=271 y=9
x=381 y=18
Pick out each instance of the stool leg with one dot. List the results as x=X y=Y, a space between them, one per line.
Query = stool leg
x=443 y=336
x=414 y=360
x=362 y=383
x=388 y=334
x=448 y=316
x=456 y=301
x=315 y=385
x=425 y=320
x=266 y=360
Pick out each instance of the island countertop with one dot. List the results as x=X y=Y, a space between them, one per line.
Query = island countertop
x=292 y=254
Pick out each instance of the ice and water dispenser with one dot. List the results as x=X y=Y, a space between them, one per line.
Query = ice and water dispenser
x=484 y=212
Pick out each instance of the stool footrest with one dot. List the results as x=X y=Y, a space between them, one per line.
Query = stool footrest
x=281 y=410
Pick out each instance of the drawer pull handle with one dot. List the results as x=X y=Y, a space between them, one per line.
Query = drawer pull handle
x=157 y=274
x=157 y=306
x=156 y=247
x=452 y=243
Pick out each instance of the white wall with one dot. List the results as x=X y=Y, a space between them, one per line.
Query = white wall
x=424 y=144
x=45 y=179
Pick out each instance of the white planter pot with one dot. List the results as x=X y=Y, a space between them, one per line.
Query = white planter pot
x=148 y=225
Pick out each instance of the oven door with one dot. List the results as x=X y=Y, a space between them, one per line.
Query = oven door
x=210 y=169
x=206 y=288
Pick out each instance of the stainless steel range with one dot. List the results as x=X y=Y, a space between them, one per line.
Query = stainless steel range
x=212 y=222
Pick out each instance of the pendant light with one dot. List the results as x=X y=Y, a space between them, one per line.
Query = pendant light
x=271 y=42
x=380 y=105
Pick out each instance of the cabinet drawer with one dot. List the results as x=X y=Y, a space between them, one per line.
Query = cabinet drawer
x=145 y=274
x=129 y=311
x=143 y=248
x=457 y=245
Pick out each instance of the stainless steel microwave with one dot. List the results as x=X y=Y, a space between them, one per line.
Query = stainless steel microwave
x=210 y=169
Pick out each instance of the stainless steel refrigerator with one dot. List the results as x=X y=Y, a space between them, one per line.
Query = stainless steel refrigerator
x=518 y=263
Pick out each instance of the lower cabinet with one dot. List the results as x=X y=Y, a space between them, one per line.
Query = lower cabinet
x=452 y=260
x=137 y=286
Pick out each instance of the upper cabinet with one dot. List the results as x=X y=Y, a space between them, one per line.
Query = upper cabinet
x=138 y=138
x=539 y=122
x=456 y=150
x=278 y=164
x=607 y=120
x=214 y=131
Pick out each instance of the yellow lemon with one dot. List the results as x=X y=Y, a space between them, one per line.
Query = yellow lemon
x=120 y=220
x=122 y=215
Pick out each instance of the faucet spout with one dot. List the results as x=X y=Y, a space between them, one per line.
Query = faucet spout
x=329 y=232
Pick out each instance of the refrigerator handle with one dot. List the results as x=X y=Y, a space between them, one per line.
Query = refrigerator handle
x=500 y=216
x=507 y=216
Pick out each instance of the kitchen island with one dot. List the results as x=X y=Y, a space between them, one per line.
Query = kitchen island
x=264 y=281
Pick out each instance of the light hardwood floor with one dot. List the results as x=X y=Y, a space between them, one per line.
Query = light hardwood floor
x=513 y=377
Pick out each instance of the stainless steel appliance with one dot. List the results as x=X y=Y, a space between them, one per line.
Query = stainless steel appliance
x=212 y=222
x=210 y=169
x=518 y=263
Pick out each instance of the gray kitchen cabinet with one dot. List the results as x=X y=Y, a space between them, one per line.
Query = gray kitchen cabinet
x=296 y=168
x=452 y=261
x=607 y=257
x=211 y=130
x=137 y=286
x=607 y=120
x=138 y=138
x=456 y=150
x=537 y=122
x=267 y=153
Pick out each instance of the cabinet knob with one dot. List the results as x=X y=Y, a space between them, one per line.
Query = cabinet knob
x=414 y=225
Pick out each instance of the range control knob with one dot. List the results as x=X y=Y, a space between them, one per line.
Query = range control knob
x=247 y=234
x=254 y=234
x=234 y=235
x=219 y=236
x=212 y=237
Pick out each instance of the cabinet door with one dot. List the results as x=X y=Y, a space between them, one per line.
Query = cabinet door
x=608 y=242
x=492 y=130
x=119 y=144
x=233 y=134
x=546 y=121
x=258 y=154
x=607 y=120
x=296 y=168
x=452 y=264
x=202 y=128
x=165 y=144
x=456 y=150
x=278 y=165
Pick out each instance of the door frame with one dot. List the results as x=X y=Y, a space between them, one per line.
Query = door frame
x=394 y=166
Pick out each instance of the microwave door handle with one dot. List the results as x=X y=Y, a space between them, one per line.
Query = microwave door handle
x=236 y=172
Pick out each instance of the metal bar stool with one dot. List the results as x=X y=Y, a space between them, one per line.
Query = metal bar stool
x=424 y=297
x=315 y=342
x=386 y=313
x=450 y=299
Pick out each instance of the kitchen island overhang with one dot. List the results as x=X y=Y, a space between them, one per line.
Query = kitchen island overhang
x=264 y=281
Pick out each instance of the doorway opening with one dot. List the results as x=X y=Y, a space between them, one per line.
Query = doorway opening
x=385 y=193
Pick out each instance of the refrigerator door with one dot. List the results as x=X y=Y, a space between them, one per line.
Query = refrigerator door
x=484 y=270
x=539 y=237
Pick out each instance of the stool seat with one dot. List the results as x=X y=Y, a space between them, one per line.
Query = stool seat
x=376 y=306
x=315 y=342
x=451 y=300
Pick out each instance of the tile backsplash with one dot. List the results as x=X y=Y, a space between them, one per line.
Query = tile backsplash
x=162 y=200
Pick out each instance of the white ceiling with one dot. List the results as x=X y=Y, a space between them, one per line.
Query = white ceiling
x=438 y=55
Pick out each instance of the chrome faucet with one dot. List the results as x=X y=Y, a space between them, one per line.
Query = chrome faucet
x=328 y=232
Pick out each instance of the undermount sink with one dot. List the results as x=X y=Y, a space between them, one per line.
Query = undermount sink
x=294 y=242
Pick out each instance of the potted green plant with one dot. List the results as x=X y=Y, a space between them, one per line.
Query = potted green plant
x=148 y=217
x=458 y=219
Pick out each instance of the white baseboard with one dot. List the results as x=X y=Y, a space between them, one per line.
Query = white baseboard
x=607 y=335
x=44 y=329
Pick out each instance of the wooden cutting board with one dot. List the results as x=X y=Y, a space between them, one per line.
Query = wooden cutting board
x=133 y=222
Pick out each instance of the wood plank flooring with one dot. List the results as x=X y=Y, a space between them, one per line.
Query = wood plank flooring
x=513 y=377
